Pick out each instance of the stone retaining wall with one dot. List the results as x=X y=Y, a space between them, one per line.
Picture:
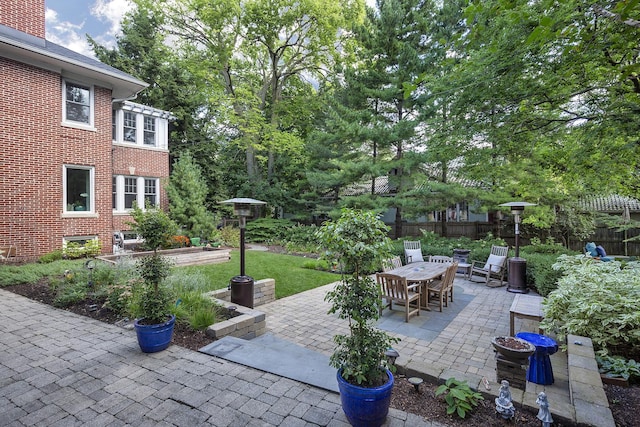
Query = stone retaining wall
x=585 y=385
x=249 y=323
x=264 y=291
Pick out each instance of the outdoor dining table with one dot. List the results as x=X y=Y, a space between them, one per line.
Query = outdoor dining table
x=423 y=273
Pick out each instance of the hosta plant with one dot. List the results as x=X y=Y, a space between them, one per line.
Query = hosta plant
x=618 y=367
x=460 y=398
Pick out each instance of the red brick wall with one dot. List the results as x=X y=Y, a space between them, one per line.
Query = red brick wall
x=35 y=147
x=23 y=15
x=140 y=162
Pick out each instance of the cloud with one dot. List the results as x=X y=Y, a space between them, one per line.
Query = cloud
x=112 y=12
x=68 y=26
x=66 y=34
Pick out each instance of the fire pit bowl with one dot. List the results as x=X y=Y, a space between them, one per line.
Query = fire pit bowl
x=513 y=349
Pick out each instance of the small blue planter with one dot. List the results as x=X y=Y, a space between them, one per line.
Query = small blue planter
x=365 y=406
x=153 y=338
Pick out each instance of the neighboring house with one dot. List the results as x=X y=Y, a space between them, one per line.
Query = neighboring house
x=459 y=212
x=76 y=152
x=612 y=204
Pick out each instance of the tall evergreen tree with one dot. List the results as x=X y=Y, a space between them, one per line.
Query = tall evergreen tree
x=187 y=193
x=371 y=115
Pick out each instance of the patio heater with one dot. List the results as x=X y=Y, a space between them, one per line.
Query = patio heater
x=517 y=265
x=242 y=286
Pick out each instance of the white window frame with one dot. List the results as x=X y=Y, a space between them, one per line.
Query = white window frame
x=73 y=123
x=160 y=121
x=137 y=192
x=92 y=192
x=136 y=131
x=140 y=192
x=154 y=123
x=155 y=202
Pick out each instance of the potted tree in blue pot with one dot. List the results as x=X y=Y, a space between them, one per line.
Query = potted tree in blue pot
x=152 y=301
x=358 y=242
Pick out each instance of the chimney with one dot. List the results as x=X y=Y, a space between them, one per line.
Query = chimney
x=23 y=15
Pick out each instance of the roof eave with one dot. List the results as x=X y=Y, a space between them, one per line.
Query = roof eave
x=122 y=87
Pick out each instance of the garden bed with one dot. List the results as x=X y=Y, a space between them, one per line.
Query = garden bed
x=180 y=256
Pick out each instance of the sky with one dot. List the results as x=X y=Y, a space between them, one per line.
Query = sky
x=68 y=22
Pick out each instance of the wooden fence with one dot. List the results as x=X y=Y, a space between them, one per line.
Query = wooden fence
x=612 y=241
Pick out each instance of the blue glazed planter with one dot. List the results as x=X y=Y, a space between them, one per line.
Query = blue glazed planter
x=153 y=338
x=365 y=406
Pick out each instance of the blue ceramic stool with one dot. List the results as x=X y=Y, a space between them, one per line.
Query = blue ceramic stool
x=539 y=370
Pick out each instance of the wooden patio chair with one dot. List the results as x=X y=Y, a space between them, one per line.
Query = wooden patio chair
x=442 y=288
x=494 y=267
x=391 y=263
x=412 y=251
x=396 y=289
x=441 y=259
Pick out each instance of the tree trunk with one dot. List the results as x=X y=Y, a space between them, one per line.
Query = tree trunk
x=398 y=223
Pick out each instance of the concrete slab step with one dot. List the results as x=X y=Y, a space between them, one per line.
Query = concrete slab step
x=277 y=356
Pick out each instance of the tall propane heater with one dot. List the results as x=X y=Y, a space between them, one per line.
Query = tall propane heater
x=517 y=265
x=242 y=286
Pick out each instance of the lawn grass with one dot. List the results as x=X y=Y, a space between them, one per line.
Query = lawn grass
x=287 y=271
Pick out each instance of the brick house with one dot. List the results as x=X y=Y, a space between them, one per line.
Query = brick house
x=76 y=151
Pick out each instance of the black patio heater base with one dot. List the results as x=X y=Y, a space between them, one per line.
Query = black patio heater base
x=517 y=276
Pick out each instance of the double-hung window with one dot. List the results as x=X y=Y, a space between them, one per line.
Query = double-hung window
x=130 y=191
x=129 y=134
x=78 y=182
x=149 y=131
x=78 y=103
x=150 y=192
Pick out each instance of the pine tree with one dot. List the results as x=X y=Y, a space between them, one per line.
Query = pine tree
x=187 y=193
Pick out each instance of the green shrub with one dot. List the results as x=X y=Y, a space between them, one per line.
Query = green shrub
x=317 y=264
x=151 y=302
x=268 y=230
x=118 y=297
x=75 y=250
x=202 y=318
x=359 y=241
x=192 y=306
x=540 y=259
x=595 y=299
x=103 y=274
x=301 y=239
x=51 y=256
x=230 y=236
x=460 y=398
x=70 y=289
x=540 y=272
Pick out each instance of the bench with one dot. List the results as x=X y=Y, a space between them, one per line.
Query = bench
x=525 y=307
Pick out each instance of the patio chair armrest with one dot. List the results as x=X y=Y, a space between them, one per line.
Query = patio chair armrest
x=476 y=264
x=413 y=286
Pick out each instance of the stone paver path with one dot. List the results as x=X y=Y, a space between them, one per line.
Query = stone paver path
x=61 y=369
